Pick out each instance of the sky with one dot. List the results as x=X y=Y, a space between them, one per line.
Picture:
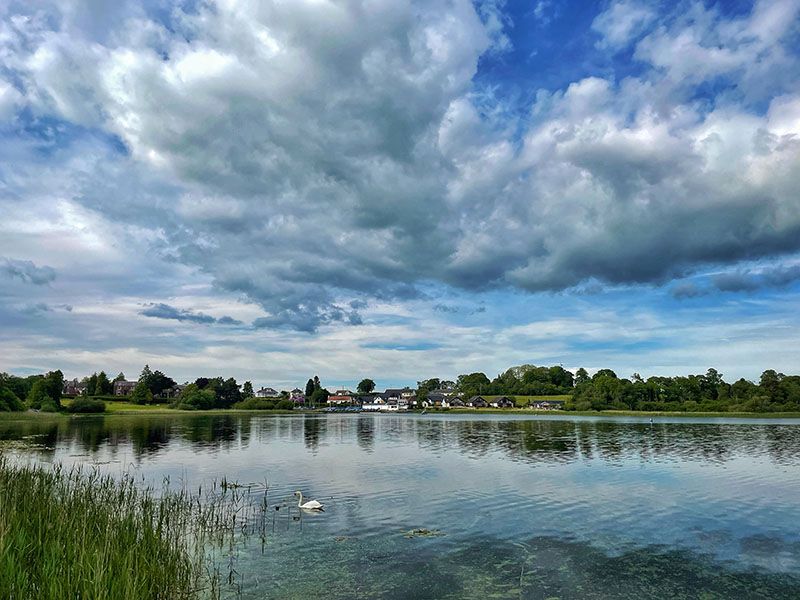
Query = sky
x=399 y=190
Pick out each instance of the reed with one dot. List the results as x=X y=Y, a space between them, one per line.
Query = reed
x=73 y=533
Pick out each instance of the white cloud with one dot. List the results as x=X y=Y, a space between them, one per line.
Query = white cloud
x=299 y=156
x=622 y=22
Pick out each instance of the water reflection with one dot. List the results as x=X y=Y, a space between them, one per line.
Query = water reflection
x=527 y=440
x=530 y=507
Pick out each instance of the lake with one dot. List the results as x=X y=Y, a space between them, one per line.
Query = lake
x=514 y=506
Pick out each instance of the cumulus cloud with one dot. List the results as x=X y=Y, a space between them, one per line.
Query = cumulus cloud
x=303 y=154
x=166 y=311
x=27 y=271
x=622 y=21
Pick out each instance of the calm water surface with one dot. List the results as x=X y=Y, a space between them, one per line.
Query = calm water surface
x=526 y=507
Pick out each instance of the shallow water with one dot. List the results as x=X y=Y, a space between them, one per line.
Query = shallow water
x=524 y=507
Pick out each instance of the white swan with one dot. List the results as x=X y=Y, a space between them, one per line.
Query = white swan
x=310 y=505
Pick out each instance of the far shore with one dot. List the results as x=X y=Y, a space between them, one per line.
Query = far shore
x=125 y=409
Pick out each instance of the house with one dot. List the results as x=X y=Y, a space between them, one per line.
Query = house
x=446 y=388
x=297 y=396
x=373 y=406
x=477 y=402
x=453 y=403
x=123 y=387
x=405 y=392
x=267 y=392
x=341 y=397
x=548 y=405
x=436 y=399
x=172 y=392
x=503 y=402
x=74 y=388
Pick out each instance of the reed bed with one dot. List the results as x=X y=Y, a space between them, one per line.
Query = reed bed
x=73 y=533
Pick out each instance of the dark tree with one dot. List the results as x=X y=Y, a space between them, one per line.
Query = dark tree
x=227 y=393
x=247 y=390
x=310 y=387
x=365 y=386
x=158 y=382
x=103 y=386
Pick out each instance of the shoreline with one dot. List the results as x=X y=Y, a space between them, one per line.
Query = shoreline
x=161 y=411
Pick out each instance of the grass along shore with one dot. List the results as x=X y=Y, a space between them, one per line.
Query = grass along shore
x=73 y=533
x=122 y=409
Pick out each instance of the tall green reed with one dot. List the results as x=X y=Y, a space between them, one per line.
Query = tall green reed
x=73 y=533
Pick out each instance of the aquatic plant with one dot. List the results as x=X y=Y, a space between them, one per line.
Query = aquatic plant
x=71 y=533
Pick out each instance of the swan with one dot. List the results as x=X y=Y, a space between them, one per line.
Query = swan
x=310 y=505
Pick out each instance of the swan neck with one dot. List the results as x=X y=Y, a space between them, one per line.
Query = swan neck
x=300 y=501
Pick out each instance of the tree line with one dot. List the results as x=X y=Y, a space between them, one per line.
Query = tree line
x=774 y=392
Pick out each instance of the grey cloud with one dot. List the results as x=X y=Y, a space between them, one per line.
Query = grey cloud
x=36 y=309
x=165 y=311
x=735 y=282
x=27 y=271
x=749 y=281
x=687 y=289
x=40 y=308
x=301 y=157
x=226 y=320
x=445 y=308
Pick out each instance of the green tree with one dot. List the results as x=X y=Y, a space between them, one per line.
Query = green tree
x=20 y=386
x=227 y=393
x=9 y=402
x=103 y=385
x=141 y=394
x=119 y=377
x=310 y=387
x=247 y=390
x=365 y=386
x=320 y=396
x=581 y=376
x=145 y=375
x=194 y=398
x=158 y=382
x=91 y=386
x=473 y=384
x=46 y=392
x=426 y=386
x=604 y=373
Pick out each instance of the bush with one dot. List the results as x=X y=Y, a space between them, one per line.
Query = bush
x=48 y=405
x=193 y=398
x=9 y=401
x=255 y=404
x=263 y=404
x=141 y=394
x=87 y=405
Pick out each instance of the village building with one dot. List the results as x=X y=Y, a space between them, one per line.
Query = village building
x=341 y=397
x=267 y=392
x=173 y=392
x=548 y=405
x=503 y=402
x=74 y=388
x=123 y=387
x=477 y=402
